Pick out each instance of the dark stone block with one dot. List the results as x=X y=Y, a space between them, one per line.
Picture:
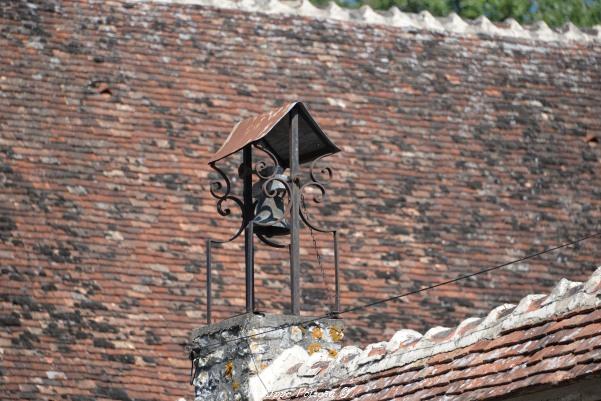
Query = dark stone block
x=82 y=398
x=396 y=230
x=47 y=287
x=54 y=330
x=92 y=305
x=351 y=274
x=24 y=301
x=391 y=256
x=114 y=393
x=64 y=349
x=103 y=327
x=72 y=317
x=152 y=338
x=10 y=320
x=193 y=267
x=58 y=254
x=126 y=358
x=169 y=277
x=82 y=335
x=25 y=340
x=148 y=359
x=103 y=343
x=7 y=225
x=457 y=301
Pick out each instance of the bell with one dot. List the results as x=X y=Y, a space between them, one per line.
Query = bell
x=269 y=218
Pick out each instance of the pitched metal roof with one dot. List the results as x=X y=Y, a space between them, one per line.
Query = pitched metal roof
x=273 y=129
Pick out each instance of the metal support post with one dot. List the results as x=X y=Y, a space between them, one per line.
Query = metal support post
x=336 y=275
x=248 y=231
x=209 y=281
x=294 y=214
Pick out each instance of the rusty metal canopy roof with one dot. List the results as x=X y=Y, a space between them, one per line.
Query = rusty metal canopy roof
x=272 y=129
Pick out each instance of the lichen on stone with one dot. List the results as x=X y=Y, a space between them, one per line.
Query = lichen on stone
x=231 y=372
x=317 y=333
x=229 y=369
x=336 y=334
x=313 y=348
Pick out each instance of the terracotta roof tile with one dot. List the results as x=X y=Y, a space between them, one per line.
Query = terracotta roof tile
x=460 y=151
x=557 y=342
x=452 y=24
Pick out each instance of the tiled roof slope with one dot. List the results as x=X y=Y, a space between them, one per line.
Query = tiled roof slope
x=459 y=152
x=452 y=24
x=544 y=340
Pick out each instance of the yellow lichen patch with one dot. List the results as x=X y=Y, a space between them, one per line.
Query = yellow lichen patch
x=317 y=333
x=229 y=369
x=313 y=348
x=336 y=334
x=235 y=385
x=332 y=352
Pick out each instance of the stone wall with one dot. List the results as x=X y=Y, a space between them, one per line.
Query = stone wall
x=224 y=364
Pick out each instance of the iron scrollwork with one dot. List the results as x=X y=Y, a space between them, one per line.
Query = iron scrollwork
x=261 y=167
x=319 y=177
x=272 y=183
x=268 y=174
x=221 y=190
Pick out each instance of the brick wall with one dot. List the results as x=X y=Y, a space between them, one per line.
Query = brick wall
x=459 y=152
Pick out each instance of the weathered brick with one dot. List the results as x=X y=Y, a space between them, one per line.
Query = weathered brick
x=109 y=111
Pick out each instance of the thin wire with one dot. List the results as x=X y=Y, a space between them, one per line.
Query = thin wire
x=323 y=272
x=471 y=274
x=252 y=356
x=256 y=367
x=360 y=307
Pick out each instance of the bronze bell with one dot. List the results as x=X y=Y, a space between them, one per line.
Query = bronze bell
x=270 y=211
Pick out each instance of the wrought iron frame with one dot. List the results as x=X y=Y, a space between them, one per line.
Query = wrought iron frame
x=221 y=190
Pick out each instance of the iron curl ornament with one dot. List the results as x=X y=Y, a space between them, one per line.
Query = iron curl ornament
x=273 y=193
x=319 y=178
x=261 y=166
x=269 y=180
x=225 y=186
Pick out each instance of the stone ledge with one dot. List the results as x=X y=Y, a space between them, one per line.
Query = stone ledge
x=258 y=320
